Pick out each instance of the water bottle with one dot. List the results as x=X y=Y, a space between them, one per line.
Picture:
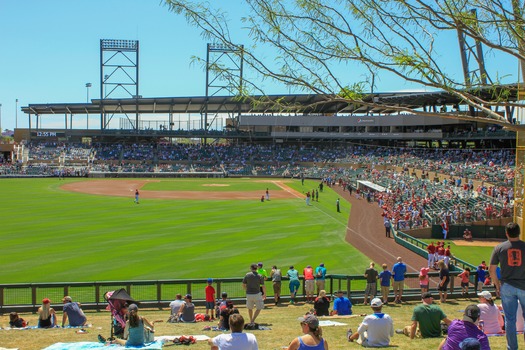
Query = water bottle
x=348 y=334
x=482 y=325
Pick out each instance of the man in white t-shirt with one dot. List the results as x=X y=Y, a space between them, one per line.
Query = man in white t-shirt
x=175 y=304
x=376 y=329
x=236 y=340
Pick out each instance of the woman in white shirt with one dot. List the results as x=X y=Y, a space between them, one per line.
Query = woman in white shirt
x=490 y=314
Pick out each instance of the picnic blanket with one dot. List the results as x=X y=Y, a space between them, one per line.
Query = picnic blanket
x=99 y=346
x=328 y=323
x=36 y=327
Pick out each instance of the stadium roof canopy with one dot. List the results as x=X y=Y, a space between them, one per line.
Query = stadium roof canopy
x=313 y=104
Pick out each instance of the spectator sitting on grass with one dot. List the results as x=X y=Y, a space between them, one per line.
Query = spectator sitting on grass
x=322 y=304
x=16 y=321
x=176 y=304
x=313 y=335
x=490 y=314
x=47 y=317
x=134 y=330
x=236 y=340
x=460 y=330
x=187 y=310
x=426 y=320
x=224 y=316
x=73 y=312
x=376 y=329
x=342 y=305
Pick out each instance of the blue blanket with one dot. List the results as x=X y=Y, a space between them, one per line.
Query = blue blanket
x=99 y=346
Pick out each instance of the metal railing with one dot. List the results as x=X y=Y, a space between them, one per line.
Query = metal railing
x=158 y=294
x=457 y=265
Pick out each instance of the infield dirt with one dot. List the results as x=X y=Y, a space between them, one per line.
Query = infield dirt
x=126 y=188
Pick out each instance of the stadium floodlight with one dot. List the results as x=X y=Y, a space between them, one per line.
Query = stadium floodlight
x=119 y=45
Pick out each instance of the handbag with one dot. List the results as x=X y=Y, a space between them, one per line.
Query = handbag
x=149 y=335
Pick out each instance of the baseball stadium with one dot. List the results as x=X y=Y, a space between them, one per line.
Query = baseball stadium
x=168 y=196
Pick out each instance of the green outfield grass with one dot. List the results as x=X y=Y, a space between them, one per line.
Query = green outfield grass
x=50 y=235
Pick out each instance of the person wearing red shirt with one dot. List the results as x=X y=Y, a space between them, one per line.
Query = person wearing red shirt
x=440 y=253
x=210 y=298
x=431 y=249
x=309 y=283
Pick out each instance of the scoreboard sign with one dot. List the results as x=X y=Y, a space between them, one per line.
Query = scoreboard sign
x=47 y=134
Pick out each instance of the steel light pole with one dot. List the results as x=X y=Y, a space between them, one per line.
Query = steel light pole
x=16 y=114
x=88 y=85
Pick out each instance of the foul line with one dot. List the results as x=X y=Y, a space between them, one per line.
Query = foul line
x=365 y=239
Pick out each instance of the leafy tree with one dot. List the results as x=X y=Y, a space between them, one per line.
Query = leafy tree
x=313 y=39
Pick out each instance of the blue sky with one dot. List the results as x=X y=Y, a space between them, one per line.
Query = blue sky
x=50 y=50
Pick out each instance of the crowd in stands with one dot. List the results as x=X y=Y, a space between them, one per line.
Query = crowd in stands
x=494 y=166
x=409 y=201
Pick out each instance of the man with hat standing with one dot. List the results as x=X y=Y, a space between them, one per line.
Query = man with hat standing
x=320 y=276
x=376 y=329
x=261 y=271
x=253 y=284
x=428 y=317
x=459 y=330
x=277 y=276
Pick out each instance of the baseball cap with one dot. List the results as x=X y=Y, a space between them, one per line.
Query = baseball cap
x=470 y=344
x=321 y=264
x=260 y=264
x=67 y=298
x=472 y=312
x=46 y=301
x=340 y=292
x=310 y=320
x=188 y=296
x=133 y=307
x=424 y=271
x=253 y=266
x=426 y=295
x=210 y=280
x=485 y=294
x=308 y=266
x=224 y=294
x=376 y=302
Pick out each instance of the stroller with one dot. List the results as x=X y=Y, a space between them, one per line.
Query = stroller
x=116 y=301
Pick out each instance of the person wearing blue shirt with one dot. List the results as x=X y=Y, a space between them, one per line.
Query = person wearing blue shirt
x=481 y=275
x=385 y=276
x=320 y=276
x=398 y=271
x=342 y=305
